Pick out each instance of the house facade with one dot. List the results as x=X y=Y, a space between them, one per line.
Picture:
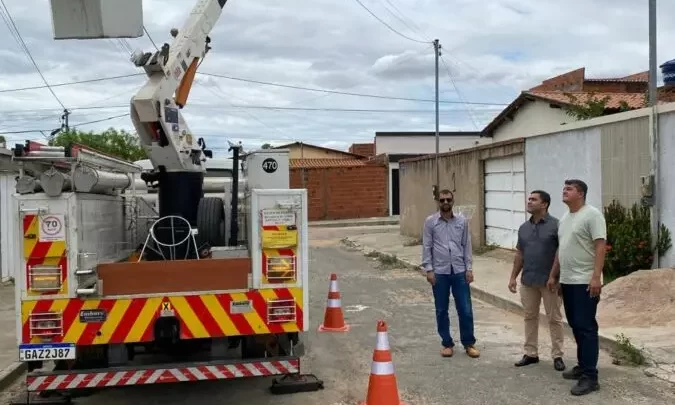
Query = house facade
x=403 y=145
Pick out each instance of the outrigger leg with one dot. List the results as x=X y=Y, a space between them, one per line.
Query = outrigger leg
x=294 y=383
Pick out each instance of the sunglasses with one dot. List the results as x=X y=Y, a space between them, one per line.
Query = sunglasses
x=445 y=200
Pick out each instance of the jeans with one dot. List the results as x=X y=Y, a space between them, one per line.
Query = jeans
x=580 y=309
x=445 y=283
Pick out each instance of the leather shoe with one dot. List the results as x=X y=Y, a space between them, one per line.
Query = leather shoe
x=472 y=352
x=559 y=364
x=447 y=352
x=574 y=374
x=584 y=386
x=527 y=360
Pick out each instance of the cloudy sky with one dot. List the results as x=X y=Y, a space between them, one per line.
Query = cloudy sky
x=492 y=49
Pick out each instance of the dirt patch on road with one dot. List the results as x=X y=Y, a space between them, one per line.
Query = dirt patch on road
x=642 y=299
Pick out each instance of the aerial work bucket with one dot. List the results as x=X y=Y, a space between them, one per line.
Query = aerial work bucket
x=96 y=19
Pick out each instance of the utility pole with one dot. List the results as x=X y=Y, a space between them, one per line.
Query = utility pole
x=436 y=189
x=64 y=117
x=654 y=212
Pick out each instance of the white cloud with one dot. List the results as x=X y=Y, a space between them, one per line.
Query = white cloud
x=493 y=49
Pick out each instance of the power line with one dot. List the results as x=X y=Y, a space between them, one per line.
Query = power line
x=343 y=92
x=9 y=15
x=99 y=79
x=73 y=126
x=389 y=26
x=266 y=107
x=289 y=86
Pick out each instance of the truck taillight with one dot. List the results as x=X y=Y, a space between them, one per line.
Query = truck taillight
x=46 y=325
x=281 y=269
x=44 y=278
x=281 y=311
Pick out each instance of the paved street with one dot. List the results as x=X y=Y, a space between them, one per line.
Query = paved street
x=372 y=290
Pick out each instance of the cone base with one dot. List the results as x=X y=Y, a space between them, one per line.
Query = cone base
x=323 y=328
x=366 y=403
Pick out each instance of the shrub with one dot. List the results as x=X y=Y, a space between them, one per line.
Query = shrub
x=629 y=240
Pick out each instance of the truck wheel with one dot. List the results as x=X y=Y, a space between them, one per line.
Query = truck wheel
x=211 y=222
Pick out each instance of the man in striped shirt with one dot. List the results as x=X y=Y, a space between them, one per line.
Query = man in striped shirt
x=447 y=260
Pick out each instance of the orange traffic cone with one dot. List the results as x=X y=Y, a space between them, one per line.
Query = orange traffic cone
x=382 y=387
x=333 y=320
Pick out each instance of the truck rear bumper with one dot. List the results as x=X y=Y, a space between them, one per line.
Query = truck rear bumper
x=40 y=381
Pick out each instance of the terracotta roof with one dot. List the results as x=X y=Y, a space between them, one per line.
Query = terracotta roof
x=633 y=100
x=320 y=163
x=307 y=145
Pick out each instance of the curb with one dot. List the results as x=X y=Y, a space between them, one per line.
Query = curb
x=606 y=343
x=383 y=222
x=10 y=374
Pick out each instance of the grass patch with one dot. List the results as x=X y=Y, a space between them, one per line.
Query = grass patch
x=413 y=242
x=625 y=353
x=480 y=250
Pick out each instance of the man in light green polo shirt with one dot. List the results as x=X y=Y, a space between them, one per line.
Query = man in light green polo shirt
x=578 y=271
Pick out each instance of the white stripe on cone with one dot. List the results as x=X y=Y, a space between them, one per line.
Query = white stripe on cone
x=382 y=341
x=333 y=286
x=334 y=303
x=382 y=368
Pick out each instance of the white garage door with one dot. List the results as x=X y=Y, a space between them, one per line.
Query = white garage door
x=504 y=200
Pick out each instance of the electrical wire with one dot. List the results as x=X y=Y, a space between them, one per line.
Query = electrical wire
x=71 y=126
x=150 y=37
x=288 y=86
x=25 y=48
x=343 y=92
x=99 y=79
x=389 y=26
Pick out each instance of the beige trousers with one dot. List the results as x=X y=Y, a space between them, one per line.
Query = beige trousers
x=531 y=298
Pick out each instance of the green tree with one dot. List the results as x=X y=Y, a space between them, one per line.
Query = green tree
x=266 y=146
x=118 y=143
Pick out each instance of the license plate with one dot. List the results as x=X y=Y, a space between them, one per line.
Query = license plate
x=47 y=352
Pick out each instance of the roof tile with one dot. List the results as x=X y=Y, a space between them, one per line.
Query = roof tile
x=634 y=100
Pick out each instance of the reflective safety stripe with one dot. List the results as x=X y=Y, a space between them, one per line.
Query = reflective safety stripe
x=333 y=286
x=380 y=368
x=382 y=341
x=334 y=303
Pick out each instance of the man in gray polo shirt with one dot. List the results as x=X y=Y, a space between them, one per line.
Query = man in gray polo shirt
x=535 y=254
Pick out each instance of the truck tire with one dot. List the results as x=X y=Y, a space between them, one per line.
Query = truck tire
x=211 y=222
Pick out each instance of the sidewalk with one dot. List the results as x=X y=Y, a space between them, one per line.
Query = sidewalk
x=492 y=271
x=10 y=367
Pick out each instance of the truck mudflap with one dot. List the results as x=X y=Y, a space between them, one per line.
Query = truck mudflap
x=40 y=381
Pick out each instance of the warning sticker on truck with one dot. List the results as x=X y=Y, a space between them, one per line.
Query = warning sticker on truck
x=52 y=228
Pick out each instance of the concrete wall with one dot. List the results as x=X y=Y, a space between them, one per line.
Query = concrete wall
x=625 y=158
x=344 y=192
x=532 y=118
x=666 y=194
x=395 y=145
x=553 y=158
x=611 y=153
x=10 y=235
x=461 y=172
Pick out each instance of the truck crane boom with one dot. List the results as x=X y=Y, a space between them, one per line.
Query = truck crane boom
x=176 y=155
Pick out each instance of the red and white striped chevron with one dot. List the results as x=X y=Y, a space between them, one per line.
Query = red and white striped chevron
x=147 y=376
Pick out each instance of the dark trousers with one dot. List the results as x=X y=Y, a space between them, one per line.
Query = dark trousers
x=461 y=291
x=580 y=309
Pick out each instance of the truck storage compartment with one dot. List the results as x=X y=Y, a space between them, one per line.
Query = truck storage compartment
x=174 y=276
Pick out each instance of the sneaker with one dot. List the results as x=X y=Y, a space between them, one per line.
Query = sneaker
x=585 y=386
x=573 y=374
